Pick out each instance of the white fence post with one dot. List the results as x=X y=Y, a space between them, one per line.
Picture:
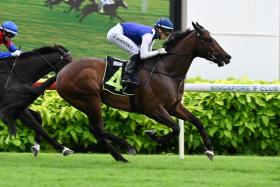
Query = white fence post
x=181 y=140
x=144 y=6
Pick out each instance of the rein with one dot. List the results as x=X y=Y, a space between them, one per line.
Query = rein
x=180 y=78
x=176 y=54
x=174 y=76
x=45 y=60
x=10 y=74
x=14 y=63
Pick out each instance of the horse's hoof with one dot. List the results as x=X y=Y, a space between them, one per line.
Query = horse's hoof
x=66 y=151
x=34 y=151
x=131 y=151
x=123 y=160
x=209 y=154
x=150 y=132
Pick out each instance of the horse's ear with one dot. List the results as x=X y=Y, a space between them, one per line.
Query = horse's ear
x=199 y=26
x=194 y=25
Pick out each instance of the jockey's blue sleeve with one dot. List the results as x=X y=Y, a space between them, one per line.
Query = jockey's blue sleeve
x=12 y=48
x=5 y=54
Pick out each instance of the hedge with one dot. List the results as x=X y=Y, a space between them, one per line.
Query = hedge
x=237 y=123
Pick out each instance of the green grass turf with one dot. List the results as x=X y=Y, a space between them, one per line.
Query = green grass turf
x=39 y=26
x=52 y=169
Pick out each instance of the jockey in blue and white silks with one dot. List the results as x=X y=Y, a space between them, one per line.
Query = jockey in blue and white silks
x=136 y=38
x=7 y=31
x=105 y=2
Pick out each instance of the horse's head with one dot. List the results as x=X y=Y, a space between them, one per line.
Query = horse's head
x=208 y=47
x=56 y=57
x=65 y=57
x=121 y=3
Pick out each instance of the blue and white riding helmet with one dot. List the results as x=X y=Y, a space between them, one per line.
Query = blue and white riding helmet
x=10 y=27
x=164 y=23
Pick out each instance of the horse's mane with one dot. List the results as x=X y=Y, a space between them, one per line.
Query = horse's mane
x=41 y=50
x=27 y=54
x=175 y=37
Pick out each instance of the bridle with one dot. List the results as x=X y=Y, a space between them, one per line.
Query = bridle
x=179 y=78
x=64 y=56
x=209 y=56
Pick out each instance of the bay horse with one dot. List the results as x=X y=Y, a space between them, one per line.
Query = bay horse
x=110 y=10
x=160 y=92
x=17 y=76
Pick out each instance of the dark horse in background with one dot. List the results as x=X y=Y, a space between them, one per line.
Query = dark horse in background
x=74 y=4
x=160 y=92
x=50 y=3
x=17 y=76
x=109 y=10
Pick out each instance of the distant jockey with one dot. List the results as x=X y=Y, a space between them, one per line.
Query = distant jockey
x=105 y=2
x=8 y=30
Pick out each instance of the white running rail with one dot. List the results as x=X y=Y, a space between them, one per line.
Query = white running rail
x=249 y=88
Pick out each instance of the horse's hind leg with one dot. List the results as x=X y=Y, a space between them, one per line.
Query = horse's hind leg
x=28 y=119
x=82 y=17
x=68 y=11
x=36 y=147
x=93 y=111
x=182 y=113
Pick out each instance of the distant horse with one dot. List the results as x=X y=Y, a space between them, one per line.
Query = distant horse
x=18 y=74
x=160 y=92
x=50 y=3
x=110 y=10
x=74 y=4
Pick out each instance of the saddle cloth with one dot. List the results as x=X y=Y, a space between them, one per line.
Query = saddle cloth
x=113 y=74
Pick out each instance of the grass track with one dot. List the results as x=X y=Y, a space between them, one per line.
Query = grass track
x=50 y=169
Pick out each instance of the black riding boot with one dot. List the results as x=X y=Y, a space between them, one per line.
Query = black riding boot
x=129 y=74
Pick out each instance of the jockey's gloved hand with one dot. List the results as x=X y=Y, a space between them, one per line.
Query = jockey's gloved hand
x=16 y=53
x=162 y=51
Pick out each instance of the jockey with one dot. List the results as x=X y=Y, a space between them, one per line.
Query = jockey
x=136 y=38
x=105 y=2
x=7 y=31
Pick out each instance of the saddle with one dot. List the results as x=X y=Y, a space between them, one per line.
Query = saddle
x=112 y=77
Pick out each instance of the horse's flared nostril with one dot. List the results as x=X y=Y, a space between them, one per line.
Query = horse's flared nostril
x=228 y=57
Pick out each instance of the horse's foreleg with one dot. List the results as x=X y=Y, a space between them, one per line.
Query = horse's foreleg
x=117 y=16
x=182 y=113
x=82 y=17
x=36 y=147
x=28 y=119
x=163 y=117
x=121 y=142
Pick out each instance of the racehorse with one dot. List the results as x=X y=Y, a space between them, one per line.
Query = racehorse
x=74 y=4
x=160 y=92
x=18 y=74
x=50 y=3
x=110 y=10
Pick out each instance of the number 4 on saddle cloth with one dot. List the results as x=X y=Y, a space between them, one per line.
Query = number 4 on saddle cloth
x=113 y=74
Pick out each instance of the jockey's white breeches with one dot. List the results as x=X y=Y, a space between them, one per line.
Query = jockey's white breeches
x=116 y=36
